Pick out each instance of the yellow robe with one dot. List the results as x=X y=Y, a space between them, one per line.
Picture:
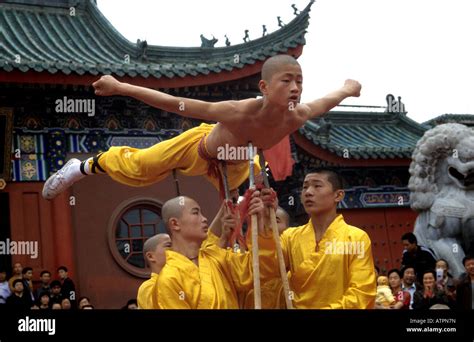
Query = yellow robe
x=272 y=294
x=271 y=290
x=213 y=285
x=212 y=239
x=339 y=276
x=145 y=296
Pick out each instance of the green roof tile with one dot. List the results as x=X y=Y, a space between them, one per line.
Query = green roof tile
x=365 y=135
x=48 y=39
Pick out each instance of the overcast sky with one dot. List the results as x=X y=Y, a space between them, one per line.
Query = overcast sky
x=421 y=50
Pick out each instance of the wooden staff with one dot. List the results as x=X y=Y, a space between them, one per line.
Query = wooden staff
x=176 y=182
x=223 y=170
x=254 y=221
x=276 y=237
x=225 y=182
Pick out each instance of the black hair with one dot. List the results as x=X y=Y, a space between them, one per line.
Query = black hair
x=334 y=177
x=26 y=269
x=410 y=237
x=429 y=271
x=443 y=260
x=64 y=268
x=466 y=258
x=17 y=281
x=82 y=298
x=407 y=267
x=394 y=270
x=44 y=293
x=44 y=272
x=55 y=283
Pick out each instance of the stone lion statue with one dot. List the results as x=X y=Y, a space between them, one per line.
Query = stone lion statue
x=442 y=191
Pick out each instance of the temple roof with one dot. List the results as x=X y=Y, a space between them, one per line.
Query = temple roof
x=47 y=38
x=364 y=135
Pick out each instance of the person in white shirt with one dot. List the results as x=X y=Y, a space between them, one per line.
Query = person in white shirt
x=4 y=287
x=409 y=282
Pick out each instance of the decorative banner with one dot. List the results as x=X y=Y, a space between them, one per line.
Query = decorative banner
x=57 y=150
x=86 y=143
x=136 y=142
x=29 y=153
x=28 y=170
x=40 y=153
x=28 y=143
x=385 y=199
x=381 y=197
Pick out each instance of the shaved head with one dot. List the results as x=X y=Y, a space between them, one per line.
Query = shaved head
x=284 y=215
x=151 y=243
x=283 y=219
x=154 y=251
x=274 y=65
x=184 y=221
x=173 y=208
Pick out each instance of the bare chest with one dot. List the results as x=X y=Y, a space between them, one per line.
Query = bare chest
x=262 y=136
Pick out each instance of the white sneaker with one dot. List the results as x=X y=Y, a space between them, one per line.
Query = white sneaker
x=62 y=179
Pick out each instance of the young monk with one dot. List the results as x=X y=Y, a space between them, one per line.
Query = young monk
x=272 y=293
x=198 y=273
x=330 y=261
x=154 y=250
x=196 y=152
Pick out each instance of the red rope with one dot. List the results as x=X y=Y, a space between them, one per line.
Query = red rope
x=213 y=168
x=241 y=211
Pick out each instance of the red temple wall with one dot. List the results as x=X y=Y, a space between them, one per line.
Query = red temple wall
x=385 y=227
x=48 y=223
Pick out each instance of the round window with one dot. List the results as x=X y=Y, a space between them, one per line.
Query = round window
x=132 y=223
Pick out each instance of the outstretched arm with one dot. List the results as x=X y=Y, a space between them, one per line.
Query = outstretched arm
x=331 y=100
x=212 y=111
x=215 y=226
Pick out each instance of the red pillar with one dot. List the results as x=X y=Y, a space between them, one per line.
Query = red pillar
x=63 y=233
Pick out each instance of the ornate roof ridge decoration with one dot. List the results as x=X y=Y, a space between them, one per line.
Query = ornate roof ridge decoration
x=55 y=39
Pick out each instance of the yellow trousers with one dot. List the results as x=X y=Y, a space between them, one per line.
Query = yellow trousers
x=141 y=167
